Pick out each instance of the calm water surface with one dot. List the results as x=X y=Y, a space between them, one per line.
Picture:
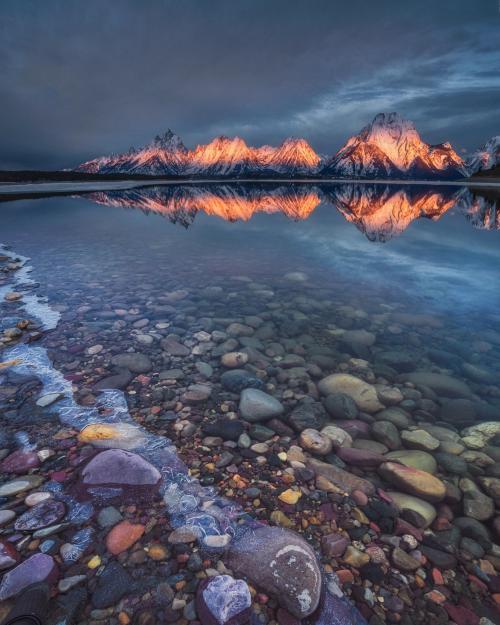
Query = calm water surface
x=376 y=280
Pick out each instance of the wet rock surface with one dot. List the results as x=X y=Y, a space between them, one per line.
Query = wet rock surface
x=283 y=563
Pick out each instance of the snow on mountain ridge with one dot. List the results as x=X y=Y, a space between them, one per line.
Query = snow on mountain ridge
x=486 y=157
x=389 y=146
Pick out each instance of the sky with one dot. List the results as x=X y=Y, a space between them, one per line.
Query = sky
x=83 y=78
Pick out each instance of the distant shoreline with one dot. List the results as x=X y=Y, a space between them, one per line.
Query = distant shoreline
x=68 y=187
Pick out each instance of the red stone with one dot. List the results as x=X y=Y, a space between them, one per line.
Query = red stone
x=359 y=497
x=59 y=476
x=384 y=496
x=437 y=577
x=8 y=555
x=461 y=615
x=475 y=581
x=360 y=457
x=345 y=576
x=403 y=527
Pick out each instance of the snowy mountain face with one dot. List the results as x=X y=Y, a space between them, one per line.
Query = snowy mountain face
x=390 y=147
x=165 y=155
x=293 y=155
x=486 y=157
x=224 y=156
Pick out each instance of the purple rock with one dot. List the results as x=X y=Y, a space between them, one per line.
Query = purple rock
x=38 y=568
x=121 y=473
x=334 y=545
x=360 y=457
x=44 y=514
x=223 y=600
x=20 y=462
x=282 y=563
x=343 y=479
x=335 y=610
x=354 y=427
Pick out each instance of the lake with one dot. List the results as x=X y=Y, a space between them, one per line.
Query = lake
x=259 y=353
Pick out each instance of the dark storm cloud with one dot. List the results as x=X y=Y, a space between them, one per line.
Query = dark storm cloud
x=82 y=78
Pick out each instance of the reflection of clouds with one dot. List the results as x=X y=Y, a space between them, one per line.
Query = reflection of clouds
x=412 y=236
x=438 y=265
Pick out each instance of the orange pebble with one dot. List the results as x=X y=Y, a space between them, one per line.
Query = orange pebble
x=123 y=536
x=345 y=576
x=437 y=577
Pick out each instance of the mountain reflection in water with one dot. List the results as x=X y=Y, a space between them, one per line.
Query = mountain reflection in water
x=380 y=211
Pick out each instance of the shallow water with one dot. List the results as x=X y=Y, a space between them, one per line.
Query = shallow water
x=414 y=270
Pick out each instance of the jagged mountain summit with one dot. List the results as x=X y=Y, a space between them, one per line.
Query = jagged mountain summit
x=388 y=147
x=486 y=157
x=391 y=147
x=224 y=156
x=292 y=155
x=165 y=155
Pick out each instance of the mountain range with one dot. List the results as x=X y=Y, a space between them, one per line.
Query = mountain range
x=390 y=147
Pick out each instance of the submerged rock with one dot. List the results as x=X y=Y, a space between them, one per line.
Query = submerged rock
x=344 y=480
x=20 y=461
x=223 y=600
x=444 y=385
x=20 y=485
x=419 y=439
x=414 y=458
x=38 y=568
x=363 y=394
x=255 y=405
x=123 y=536
x=477 y=505
x=483 y=431
x=413 y=481
x=282 y=563
x=338 y=436
x=386 y=433
x=341 y=406
x=335 y=609
x=43 y=514
x=315 y=441
x=360 y=457
x=416 y=511
x=308 y=415
x=237 y=380
x=128 y=474
x=112 y=435
x=113 y=583
x=8 y=555
x=133 y=361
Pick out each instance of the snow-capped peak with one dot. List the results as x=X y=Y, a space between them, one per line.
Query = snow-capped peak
x=486 y=157
x=390 y=146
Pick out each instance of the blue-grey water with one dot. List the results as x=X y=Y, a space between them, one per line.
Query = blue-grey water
x=415 y=270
